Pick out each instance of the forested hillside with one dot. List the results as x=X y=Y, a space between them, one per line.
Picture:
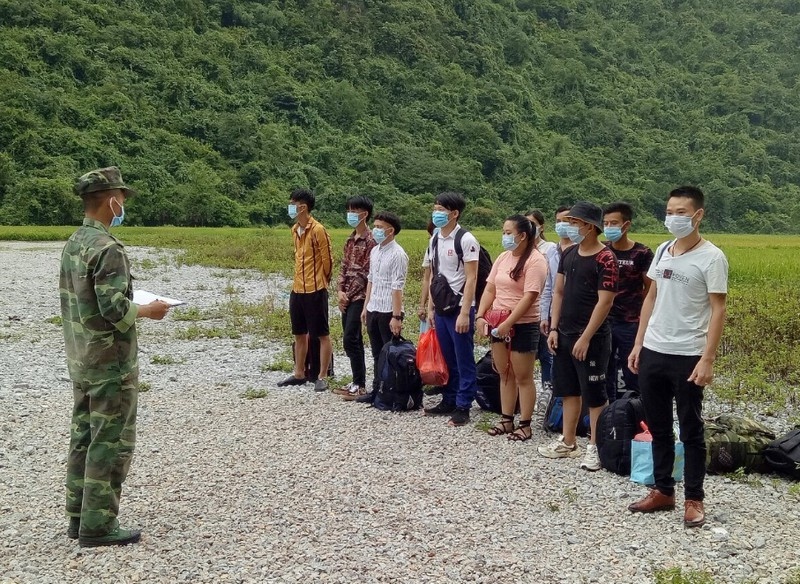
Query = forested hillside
x=215 y=109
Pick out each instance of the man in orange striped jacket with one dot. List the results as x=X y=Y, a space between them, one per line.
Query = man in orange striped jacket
x=308 y=301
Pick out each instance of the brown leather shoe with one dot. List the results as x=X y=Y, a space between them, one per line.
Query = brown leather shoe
x=693 y=515
x=654 y=501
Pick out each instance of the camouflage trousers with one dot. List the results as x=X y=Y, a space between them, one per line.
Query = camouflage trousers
x=102 y=439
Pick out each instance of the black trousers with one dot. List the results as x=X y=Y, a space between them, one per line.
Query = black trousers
x=379 y=334
x=662 y=378
x=353 y=341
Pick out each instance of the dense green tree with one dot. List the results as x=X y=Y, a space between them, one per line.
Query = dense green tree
x=215 y=110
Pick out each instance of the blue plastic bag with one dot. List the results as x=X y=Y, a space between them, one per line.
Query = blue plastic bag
x=642 y=462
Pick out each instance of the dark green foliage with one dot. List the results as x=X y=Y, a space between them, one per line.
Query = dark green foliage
x=216 y=109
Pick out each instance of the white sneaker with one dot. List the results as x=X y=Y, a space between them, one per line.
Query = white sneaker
x=591 y=461
x=559 y=449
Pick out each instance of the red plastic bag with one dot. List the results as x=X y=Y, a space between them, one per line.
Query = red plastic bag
x=430 y=361
x=644 y=435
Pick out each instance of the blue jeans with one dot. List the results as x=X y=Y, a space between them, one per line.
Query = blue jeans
x=545 y=360
x=623 y=336
x=459 y=353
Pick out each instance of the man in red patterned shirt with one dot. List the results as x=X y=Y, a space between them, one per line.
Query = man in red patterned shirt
x=633 y=261
x=352 y=289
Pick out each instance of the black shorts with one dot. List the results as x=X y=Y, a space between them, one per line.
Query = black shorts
x=525 y=339
x=308 y=313
x=586 y=379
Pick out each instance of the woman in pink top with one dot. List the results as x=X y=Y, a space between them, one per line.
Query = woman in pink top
x=512 y=296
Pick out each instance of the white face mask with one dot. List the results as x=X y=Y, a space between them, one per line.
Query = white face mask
x=679 y=225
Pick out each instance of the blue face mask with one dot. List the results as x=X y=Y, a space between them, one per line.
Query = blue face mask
x=440 y=218
x=379 y=235
x=574 y=234
x=353 y=219
x=561 y=229
x=118 y=219
x=292 y=211
x=613 y=234
x=508 y=242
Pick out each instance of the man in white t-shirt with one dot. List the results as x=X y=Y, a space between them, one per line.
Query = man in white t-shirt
x=679 y=332
x=451 y=306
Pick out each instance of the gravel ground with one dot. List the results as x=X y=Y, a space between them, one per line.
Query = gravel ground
x=299 y=487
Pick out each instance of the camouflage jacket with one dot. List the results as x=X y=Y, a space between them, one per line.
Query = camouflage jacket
x=97 y=311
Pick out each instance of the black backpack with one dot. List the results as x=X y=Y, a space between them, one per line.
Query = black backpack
x=484 y=262
x=554 y=417
x=617 y=425
x=783 y=455
x=399 y=383
x=488 y=381
x=488 y=395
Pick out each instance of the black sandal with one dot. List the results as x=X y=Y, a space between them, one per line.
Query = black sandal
x=504 y=426
x=522 y=433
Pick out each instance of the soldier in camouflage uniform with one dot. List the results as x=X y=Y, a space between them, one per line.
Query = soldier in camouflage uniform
x=98 y=321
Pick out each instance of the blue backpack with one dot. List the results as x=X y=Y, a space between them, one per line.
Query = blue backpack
x=399 y=383
x=554 y=417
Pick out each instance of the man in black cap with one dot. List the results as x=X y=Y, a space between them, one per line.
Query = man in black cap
x=580 y=337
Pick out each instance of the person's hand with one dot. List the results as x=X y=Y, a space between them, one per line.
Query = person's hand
x=462 y=323
x=482 y=326
x=155 y=310
x=422 y=313
x=703 y=373
x=503 y=330
x=396 y=326
x=633 y=359
x=431 y=321
x=343 y=301
x=544 y=327
x=552 y=341
x=580 y=348
x=364 y=317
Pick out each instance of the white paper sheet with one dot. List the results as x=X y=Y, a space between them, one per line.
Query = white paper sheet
x=144 y=297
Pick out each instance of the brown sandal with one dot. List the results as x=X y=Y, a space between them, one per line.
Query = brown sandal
x=504 y=426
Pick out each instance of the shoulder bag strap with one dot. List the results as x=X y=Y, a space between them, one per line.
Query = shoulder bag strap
x=459 y=248
x=663 y=249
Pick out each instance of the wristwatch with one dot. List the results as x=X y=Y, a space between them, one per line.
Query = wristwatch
x=397 y=317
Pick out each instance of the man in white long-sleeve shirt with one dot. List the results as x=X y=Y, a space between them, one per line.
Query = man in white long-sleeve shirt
x=383 y=306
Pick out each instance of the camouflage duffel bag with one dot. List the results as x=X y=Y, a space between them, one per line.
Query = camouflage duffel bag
x=734 y=442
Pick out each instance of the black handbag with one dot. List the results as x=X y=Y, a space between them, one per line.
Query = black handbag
x=445 y=301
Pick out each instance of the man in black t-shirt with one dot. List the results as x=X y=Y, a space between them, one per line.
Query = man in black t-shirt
x=633 y=261
x=580 y=337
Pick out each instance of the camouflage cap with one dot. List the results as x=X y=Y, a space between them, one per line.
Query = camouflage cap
x=102 y=179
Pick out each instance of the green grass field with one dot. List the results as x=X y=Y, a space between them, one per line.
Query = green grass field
x=760 y=348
